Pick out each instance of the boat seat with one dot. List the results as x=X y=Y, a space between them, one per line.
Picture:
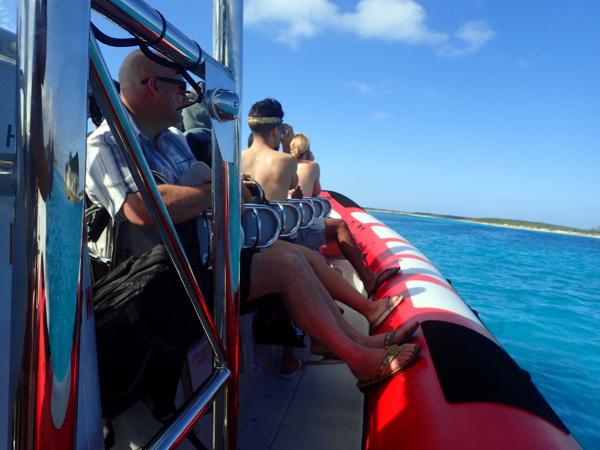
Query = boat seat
x=321 y=205
x=199 y=140
x=307 y=210
x=256 y=190
x=324 y=204
x=290 y=216
x=262 y=225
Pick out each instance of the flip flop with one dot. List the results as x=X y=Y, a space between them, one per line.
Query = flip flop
x=293 y=374
x=383 y=371
x=382 y=277
x=389 y=307
x=388 y=339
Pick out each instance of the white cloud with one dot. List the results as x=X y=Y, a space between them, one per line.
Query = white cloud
x=470 y=37
x=382 y=115
x=292 y=20
x=361 y=87
x=391 y=20
x=475 y=34
x=388 y=20
x=404 y=21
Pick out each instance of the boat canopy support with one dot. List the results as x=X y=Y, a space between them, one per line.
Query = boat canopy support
x=52 y=92
x=152 y=28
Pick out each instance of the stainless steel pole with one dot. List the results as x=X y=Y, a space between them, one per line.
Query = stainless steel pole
x=51 y=151
x=227 y=49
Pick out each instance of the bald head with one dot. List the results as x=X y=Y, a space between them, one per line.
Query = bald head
x=156 y=103
x=137 y=67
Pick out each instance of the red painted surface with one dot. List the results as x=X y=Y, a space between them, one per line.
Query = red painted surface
x=410 y=411
x=48 y=434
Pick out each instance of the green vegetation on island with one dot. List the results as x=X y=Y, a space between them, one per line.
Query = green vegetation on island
x=541 y=226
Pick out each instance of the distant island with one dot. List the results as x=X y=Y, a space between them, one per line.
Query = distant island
x=510 y=223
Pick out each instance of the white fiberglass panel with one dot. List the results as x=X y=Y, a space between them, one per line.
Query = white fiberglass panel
x=364 y=217
x=430 y=295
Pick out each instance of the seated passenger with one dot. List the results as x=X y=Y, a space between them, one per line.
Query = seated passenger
x=277 y=173
x=154 y=96
x=308 y=171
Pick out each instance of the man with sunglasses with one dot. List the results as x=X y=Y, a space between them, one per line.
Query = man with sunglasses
x=155 y=105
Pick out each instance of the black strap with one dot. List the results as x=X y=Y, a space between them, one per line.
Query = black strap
x=112 y=41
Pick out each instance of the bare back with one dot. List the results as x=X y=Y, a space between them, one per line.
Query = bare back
x=308 y=178
x=275 y=171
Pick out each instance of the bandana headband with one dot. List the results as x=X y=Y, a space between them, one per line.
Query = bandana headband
x=265 y=120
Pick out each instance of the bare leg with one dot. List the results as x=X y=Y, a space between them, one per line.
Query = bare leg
x=374 y=341
x=336 y=285
x=289 y=361
x=336 y=229
x=306 y=302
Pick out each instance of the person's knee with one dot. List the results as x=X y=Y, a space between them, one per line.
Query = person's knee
x=282 y=265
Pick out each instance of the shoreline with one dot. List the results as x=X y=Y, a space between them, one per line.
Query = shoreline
x=501 y=225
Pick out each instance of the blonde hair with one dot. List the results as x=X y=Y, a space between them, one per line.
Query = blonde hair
x=299 y=145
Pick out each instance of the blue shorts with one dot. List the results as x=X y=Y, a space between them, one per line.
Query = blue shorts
x=313 y=237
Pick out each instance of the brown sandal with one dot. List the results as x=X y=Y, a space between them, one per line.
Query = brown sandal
x=389 y=336
x=383 y=371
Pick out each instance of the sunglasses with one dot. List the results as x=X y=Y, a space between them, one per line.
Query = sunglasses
x=181 y=84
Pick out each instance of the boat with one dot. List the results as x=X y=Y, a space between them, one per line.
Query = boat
x=229 y=395
x=464 y=391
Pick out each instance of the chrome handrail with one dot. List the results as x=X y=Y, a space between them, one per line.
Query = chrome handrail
x=317 y=207
x=324 y=205
x=120 y=124
x=258 y=227
x=254 y=209
x=285 y=232
x=171 y=435
x=308 y=212
x=146 y=23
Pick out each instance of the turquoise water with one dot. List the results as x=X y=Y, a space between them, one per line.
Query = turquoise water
x=538 y=293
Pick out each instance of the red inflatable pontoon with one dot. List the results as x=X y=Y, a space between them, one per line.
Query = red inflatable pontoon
x=465 y=391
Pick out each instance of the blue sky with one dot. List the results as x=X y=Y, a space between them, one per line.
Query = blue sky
x=471 y=107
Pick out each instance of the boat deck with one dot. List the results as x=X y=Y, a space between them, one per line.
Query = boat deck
x=320 y=408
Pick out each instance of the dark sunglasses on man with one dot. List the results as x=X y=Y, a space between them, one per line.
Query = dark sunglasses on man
x=181 y=84
x=191 y=95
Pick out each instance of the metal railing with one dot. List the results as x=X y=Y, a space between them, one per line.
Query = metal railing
x=151 y=27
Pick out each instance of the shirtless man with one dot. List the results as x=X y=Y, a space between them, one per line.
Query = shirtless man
x=276 y=172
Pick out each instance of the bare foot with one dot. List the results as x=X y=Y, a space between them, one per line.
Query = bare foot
x=381 y=309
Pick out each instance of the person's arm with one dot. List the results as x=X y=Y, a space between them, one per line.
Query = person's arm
x=288 y=134
x=182 y=203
